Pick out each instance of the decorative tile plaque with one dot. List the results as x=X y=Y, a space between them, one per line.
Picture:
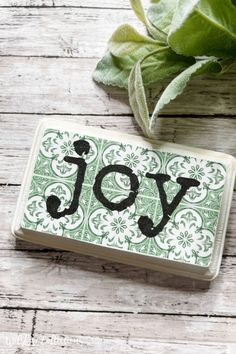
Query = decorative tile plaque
x=125 y=196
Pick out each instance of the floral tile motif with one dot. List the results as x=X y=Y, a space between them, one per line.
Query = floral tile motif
x=36 y=216
x=187 y=237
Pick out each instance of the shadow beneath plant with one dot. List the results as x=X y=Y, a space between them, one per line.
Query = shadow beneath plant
x=204 y=131
x=205 y=97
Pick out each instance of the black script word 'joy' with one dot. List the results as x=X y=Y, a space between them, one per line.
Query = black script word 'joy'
x=145 y=224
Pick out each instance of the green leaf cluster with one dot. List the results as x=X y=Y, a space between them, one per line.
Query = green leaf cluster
x=184 y=38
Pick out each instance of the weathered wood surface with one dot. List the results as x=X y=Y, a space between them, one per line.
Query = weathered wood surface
x=209 y=133
x=64 y=85
x=76 y=332
x=61 y=302
x=109 y=4
x=81 y=33
x=67 y=281
x=63 y=32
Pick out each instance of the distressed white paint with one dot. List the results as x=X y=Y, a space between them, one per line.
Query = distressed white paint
x=121 y=4
x=47 y=282
x=76 y=332
x=65 y=85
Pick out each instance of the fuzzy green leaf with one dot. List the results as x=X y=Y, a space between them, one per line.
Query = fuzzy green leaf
x=115 y=71
x=161 y=13
x=137 y=97
x=177 y=85
x=204 y=27
x=140 y=13
x=163 y=63
x=127 y=41
x=227 y=64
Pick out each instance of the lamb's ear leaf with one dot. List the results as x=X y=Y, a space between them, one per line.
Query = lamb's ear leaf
x=227 y=64
x=155 y=66
x=213 y=24
x=163 y=63
x=140 y=13
x=178 y=84
x=127 y=41
x=137 y=95
x=113 y=71
x=137 y=98
x=161 y=13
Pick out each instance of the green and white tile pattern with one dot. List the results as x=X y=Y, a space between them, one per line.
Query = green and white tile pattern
x=188 y=236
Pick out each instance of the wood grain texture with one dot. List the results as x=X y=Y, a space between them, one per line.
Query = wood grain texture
x=72 y=33
x=60 y=302
x=208 y=133
x=60 y=280
x=63 y=32
x=50 y=332
x=121 y=4
x=65 y=86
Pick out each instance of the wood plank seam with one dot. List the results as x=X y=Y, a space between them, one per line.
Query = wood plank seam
x=137 y=313
x=33 y=327
x=164 y=115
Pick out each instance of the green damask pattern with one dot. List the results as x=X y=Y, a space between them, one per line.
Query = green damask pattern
x=188 y=236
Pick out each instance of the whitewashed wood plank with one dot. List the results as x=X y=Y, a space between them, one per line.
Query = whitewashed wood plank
x=138 y=327
x=121 y=4
x=19 y=3
x=69 y=281
x=90 y=345
x=66 y=32
x=63 y=32
x=75 y=332
x=65 y=85
x=15 y=330
x=210 y=133
x=22 y=127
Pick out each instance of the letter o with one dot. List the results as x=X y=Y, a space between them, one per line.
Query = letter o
x=134 y=185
